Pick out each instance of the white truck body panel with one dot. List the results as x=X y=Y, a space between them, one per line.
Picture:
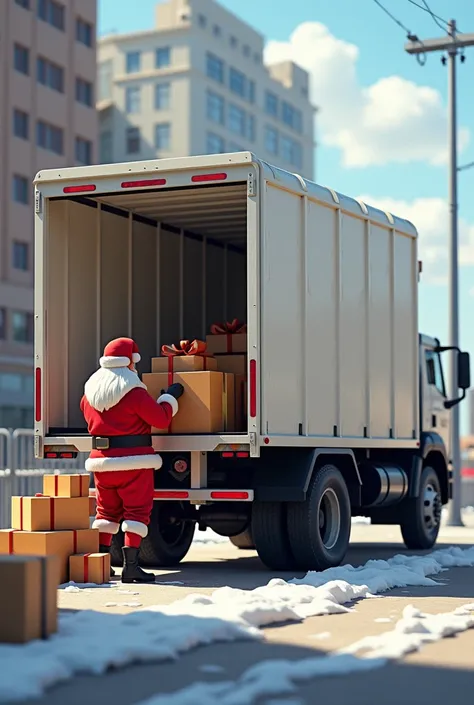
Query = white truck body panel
x=328 y=287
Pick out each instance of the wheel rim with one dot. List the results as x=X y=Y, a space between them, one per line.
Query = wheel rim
x=329 y=518
x=172 y=530
x=431 y=507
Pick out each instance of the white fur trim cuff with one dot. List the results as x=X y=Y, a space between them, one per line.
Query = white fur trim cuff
x=136 y=357
x=135 y=527
x=124 y=462
x=168 y=399
x=111 y=362
x=105 y=526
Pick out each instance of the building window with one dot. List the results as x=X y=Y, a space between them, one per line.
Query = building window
x=215 y=108
x=251 y=127
x=215 y=68
x=162 y=96
x=49 y=74
x=233 y=41
x=202 y=21
x=106 y=143
x=291 y=151
x=162 y=57
x=84 y=32
x=83 y=150
x=271 y=104
x=132 y=99
x=21 y=256
x=21 y=59
x=251 y=91
x=21 y=124
x=3 y=324
x=237 y=120
x=52 y=12
x=163 y=136
x=133 y=140
x=246 y=50
x=21 y=189
x=49 y=137
x=215 y=144
x=22 y=327
x=216 y=30
x=133 y=60
x=84 y=92
x=237 y=82
x=271 y=140
x=105 y=80
x=23 y=3
x=291 y=116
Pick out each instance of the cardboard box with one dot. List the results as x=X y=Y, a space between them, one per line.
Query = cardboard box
x=227 y=343
x=200 y=407
x=228 y=403
x=183 y=363
x=92 y=506
x=41 y=543
x=50 y=513
x=28 y=598
x=66 y=485
x=236 y=364
x=90 y=568
x=240 y=403
x=85 y=541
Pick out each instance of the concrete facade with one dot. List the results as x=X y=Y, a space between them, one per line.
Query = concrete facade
x=197 y=84
x=47 y=101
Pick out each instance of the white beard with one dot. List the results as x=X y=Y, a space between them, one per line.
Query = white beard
x=106 y=387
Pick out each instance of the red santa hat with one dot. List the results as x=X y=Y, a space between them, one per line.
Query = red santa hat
x=120 y=352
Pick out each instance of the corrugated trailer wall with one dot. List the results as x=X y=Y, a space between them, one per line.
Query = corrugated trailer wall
x=173 y=286
x=339 y=321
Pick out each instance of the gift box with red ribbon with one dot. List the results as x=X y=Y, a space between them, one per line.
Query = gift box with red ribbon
x=187 y=356
x=43 y=513
x=66 y=485
x=227 y=338
x=90 y=568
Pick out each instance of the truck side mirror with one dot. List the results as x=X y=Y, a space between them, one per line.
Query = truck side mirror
x=464 y=370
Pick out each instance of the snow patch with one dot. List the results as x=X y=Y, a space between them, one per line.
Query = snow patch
x=383 y=619
x=211 y=668
x=71 y=586
x=209 y=537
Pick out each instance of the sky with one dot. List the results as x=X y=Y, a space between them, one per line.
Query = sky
x=382 y=121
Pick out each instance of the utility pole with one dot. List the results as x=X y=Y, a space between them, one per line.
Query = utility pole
x=451 y=44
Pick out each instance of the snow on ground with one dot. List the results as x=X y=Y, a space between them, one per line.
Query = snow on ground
x=279 y=677
x=209 y=537
x=160 y=632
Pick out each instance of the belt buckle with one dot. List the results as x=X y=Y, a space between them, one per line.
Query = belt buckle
x=101 y=443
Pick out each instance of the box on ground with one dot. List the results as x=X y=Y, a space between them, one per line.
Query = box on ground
x=237 y=364
x=227 y=343
x=28 y=598
x=90 y=568
x=50 y=513
x=66 y=485
x=184 y=363
x=200 y=407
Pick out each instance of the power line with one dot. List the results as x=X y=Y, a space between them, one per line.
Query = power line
x=420 y=57
x=436 y=18
x=392 y=17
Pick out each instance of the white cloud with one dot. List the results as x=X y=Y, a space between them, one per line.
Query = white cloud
x=431 y=218
x=393 y=120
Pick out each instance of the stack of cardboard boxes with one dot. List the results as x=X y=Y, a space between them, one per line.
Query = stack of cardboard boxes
x=214 y=376
x=50 y=535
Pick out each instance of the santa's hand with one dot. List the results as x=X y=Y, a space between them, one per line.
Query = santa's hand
x=175 y=390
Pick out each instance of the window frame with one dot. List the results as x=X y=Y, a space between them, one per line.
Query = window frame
x=84 y=31
x=130 y=140
x=19 y=179
x=167 y=126
x=23 y=118
x=28 y=327
x=128 y=55
x=167 y=53
x=21 y=255
x=130 y=104
x=21 y=51
x=84 y=89
x=167 y=86
x=79 y=143
x=215 y=68
x=433 y=357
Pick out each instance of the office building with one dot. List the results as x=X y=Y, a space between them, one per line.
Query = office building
x=197 y=84
x=48 y=118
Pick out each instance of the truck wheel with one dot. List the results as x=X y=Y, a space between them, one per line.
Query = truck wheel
x=244 y=540
x=319 y=528
x=169 y=539
x=270 y=535
x=422 y=514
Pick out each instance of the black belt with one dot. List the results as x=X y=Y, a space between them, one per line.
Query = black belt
x=112 y=442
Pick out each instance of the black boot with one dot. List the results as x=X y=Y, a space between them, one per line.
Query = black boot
x=132 y=573
x=106 y=549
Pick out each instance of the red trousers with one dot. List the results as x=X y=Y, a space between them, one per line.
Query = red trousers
x=124 y=495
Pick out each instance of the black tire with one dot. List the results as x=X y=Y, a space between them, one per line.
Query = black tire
x=167 y=542
x=422 y=515
x=244 y=541
x=270 y=535
x=319 y=528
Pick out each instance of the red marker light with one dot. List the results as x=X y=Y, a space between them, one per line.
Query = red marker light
x=79 y=189
x=143 y=182
x=209 y=177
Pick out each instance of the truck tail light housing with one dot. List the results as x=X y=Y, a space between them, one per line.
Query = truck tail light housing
x=253 y=388
x=79 y=189
x=143 y=182
x=208 y=177
x=229 y=495
x=38 y=394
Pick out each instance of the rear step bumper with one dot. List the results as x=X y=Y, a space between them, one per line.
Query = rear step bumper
x=161 y=443
x=221 y=495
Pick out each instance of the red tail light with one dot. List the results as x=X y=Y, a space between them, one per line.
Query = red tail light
x=171 y=494
x=79 y=189
x=242 y=454
x=143 y=182
x=253 y=388
x=38 y=394
x=209 y=177
x=227 y=454
x=229 y=495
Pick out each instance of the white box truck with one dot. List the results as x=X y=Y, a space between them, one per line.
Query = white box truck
x=347 y=408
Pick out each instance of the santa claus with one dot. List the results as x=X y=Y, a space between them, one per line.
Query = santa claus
x=119 y=414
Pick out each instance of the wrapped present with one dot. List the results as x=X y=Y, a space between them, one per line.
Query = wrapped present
x=66 y=485
x=200 y=407
x=227 y=338
x=42 y=513
x=185 y=357
x=40 y=543
x=236 y=364
x=85 y=541
x=90 y=568
x=28 y=598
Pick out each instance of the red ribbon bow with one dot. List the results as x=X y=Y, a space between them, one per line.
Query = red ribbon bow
x=196 y=347
x=232 y=328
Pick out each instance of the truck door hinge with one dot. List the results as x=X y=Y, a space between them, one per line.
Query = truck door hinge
x=251 y=185
x=38 y=202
